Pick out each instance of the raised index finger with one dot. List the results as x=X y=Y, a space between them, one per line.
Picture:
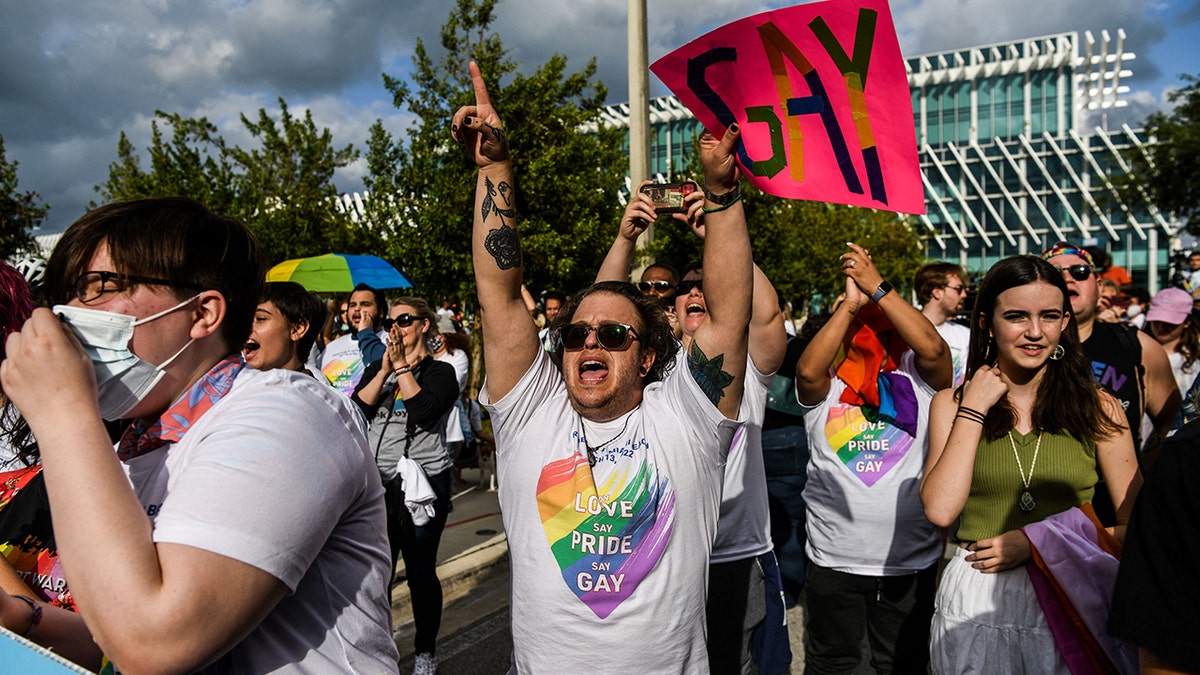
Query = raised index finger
x=481 y=92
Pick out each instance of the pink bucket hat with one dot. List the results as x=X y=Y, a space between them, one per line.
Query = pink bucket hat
x=1170 y=305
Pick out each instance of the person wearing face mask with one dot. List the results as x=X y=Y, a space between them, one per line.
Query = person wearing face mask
x=199 y=541
x=408 y=395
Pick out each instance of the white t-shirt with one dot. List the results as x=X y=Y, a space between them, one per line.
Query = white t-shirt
x=277 y=475
x=958 y=337
x=863 y=493
x=609 y=564
x=462 y=367
x=342 y=362
x=744 y=528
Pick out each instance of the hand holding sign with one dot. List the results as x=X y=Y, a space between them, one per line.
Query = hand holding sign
x=821 y=96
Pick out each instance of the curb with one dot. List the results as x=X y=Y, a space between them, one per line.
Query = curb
x=459 y=575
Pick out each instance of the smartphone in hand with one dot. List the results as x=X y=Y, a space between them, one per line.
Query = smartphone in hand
x=668 y=197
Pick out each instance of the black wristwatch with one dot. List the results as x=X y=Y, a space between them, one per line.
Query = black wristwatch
x=723 y=199
x=884 y=289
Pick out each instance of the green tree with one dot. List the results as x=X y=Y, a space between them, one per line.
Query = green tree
x=1168 y=172
x=20 y=212
x=422 y=191
x=285 y=190
x=282 y=189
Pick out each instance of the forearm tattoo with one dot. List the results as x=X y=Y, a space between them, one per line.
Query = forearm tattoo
x=708 y=373
x=502 y=242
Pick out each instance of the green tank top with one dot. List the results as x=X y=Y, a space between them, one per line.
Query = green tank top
x=1065 y=475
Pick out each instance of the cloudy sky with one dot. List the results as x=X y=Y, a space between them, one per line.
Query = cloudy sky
x=75 y=73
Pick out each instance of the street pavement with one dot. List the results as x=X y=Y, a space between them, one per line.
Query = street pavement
x=475 y=637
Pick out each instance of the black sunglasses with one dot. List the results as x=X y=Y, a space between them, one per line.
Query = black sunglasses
x=404 y=321
x=90 y=285
x=658 y=286
x=1078 y=272
x=613 y=337
x=685 y=287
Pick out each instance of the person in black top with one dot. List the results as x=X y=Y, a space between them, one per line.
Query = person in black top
x=407 y=396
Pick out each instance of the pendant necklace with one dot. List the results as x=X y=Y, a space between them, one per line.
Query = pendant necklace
x=1026 y=502
x=591 y=449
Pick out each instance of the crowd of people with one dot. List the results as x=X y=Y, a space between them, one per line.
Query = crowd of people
x=205 y=472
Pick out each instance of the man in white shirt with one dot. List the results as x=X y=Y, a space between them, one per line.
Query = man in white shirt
x=610 y=471
x=941 y=289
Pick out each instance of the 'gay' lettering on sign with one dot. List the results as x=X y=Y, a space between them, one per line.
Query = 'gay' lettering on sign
x=821 y=94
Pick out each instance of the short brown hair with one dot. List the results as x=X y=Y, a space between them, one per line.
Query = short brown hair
x=934 y=276
x=172 y=238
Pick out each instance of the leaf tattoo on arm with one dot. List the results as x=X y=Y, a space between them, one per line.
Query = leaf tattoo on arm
x=503 y=242
x=708 y=373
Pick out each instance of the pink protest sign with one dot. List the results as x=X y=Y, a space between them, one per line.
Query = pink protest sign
x=822 y=98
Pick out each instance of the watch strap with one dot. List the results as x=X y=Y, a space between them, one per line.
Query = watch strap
x=883 y=289
x=723 y=199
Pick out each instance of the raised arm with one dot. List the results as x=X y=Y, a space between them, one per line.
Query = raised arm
x=717 y=356
x=953 y=440
x=639 y=213
x=932 y=355
x=768 y=339
x=812 y=370
x=509 y=334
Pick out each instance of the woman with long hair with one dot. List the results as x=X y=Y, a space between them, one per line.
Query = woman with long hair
x=407 y=397
x=1024 y=439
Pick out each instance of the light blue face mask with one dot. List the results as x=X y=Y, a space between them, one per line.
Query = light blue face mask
x=123 y=379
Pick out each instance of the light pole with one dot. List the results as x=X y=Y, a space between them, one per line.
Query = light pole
x=639 y=105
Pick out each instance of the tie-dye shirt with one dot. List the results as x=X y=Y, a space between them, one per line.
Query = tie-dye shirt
x=863 y=492
x=609 y=563
x=342 y=363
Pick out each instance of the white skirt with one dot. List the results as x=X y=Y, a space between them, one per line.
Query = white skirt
x=989 y=623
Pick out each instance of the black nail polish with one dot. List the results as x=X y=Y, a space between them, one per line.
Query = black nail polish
x=467 y=121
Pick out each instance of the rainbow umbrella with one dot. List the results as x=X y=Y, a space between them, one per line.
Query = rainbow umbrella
x=339 y=273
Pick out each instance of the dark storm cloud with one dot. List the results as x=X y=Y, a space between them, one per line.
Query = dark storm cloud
x=75 y=73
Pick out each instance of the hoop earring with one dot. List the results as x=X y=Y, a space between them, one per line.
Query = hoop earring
x=1058 y=353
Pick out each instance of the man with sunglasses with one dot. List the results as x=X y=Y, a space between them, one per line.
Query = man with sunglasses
x=1129 y=364
x=610 y=471
x=941 y=289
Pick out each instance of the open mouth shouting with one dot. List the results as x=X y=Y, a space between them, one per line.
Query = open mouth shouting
x=250 y=349
x=592 y=371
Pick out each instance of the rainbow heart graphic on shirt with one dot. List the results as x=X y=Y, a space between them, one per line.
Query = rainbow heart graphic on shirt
x=868 y=449
x=605 y=540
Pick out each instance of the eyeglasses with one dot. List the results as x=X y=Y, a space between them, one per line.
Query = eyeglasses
x=1078 y=272
x=956 y=289
x=658 y=286
x=90 y=285
x=613 y=337
x=404 y=321
x=685 y=287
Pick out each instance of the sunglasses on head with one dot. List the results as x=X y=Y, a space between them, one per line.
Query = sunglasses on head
x=1078 y=272
x=657 y=286
x=613 y=337
x=404 y=321
x=685 y=287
